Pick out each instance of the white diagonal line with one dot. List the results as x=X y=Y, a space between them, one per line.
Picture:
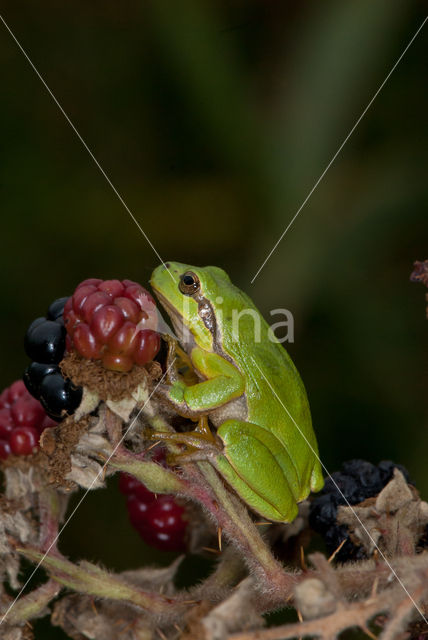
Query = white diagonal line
x=100 y=473
x=340 y=491
x=42 y=80
x=340 y=148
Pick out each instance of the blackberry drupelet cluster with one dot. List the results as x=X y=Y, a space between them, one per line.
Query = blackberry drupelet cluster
x=357 y=481
x=22 y=420
x=160 y=520
x=45 y=344
x=112 y=321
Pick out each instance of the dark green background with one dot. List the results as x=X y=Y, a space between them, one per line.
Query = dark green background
x=214 y=120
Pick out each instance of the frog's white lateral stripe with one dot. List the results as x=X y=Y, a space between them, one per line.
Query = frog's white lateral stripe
x=340 y=491
x=340 y=148
x=42 y=80
x=99 y=474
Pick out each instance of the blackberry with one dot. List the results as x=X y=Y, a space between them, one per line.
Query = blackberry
x=323 y=512
x=34 y=375
x=343 y=487
x=366 y=474
x=112 y=321
x=357 y=481
x=386 y=468
x=59 y=396
x=24 y=440
x=164 y=526
x=160 y=520
x=45 y=343
x=22 y=420
x=56 y=309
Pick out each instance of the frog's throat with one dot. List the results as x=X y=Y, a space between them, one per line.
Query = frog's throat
x=184 y=335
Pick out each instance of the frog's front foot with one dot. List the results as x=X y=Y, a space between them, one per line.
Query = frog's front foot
x=201 y=443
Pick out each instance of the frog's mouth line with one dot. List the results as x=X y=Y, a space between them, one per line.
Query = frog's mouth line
x=183 y=333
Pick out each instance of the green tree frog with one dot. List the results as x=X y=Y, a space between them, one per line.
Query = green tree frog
x=248 y=388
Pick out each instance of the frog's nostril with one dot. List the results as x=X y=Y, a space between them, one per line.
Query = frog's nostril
x=167 y=265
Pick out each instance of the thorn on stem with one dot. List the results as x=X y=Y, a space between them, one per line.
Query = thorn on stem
x=219 y=533
x=302 y=559
x=161 y=634
x=336 y=551
x=367 y=631
x=211 y=550
x=374 y=587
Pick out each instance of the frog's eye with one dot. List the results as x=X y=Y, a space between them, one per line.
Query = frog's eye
x=189 y=283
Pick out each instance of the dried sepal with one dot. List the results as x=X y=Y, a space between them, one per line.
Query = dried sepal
x=313 y=599
x=80 y=616
x=239 y=611
x=395 y=520
x=160 y=579
x=400 y=606
x=22 y=481
x=90 y=401
x=16 y=524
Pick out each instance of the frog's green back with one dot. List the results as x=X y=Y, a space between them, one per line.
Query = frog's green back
x=275 y=394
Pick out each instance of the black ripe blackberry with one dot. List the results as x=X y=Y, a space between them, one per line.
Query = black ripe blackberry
x=45 y=341
x=34 y=375
x=386 y=468
x=354 y=483
x=59 y=396
x=45 y=344
x=56 y=309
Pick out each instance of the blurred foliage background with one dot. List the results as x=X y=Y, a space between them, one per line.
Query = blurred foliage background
x=214 y=120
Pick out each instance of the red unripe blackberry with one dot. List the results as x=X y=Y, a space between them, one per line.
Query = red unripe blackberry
x=116 y=362
x=106 y=321
x=5 y=450
x=85 y=342
x=27 y=411
x=22 y=420
x=113 y=287
x=129 y=309
x=6 y=422
x=24 y=440
x=147 y=345
x=15 y=391
x=164 y=525
x=137 y=510
x=112 y=321
x=160 y=520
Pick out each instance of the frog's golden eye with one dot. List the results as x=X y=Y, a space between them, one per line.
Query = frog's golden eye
x=189 y=283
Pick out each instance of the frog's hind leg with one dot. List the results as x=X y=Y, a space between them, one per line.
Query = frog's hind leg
x=258 y=467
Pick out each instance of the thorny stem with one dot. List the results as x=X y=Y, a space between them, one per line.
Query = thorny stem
x=32 y=604
x=237 y=525
x=229 y=571
x=50 y=512
x=90 y=579
x=201 y=483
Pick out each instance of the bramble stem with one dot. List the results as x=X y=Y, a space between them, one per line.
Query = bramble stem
x=90 y=579
x=33 y=603
x=234 y=520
